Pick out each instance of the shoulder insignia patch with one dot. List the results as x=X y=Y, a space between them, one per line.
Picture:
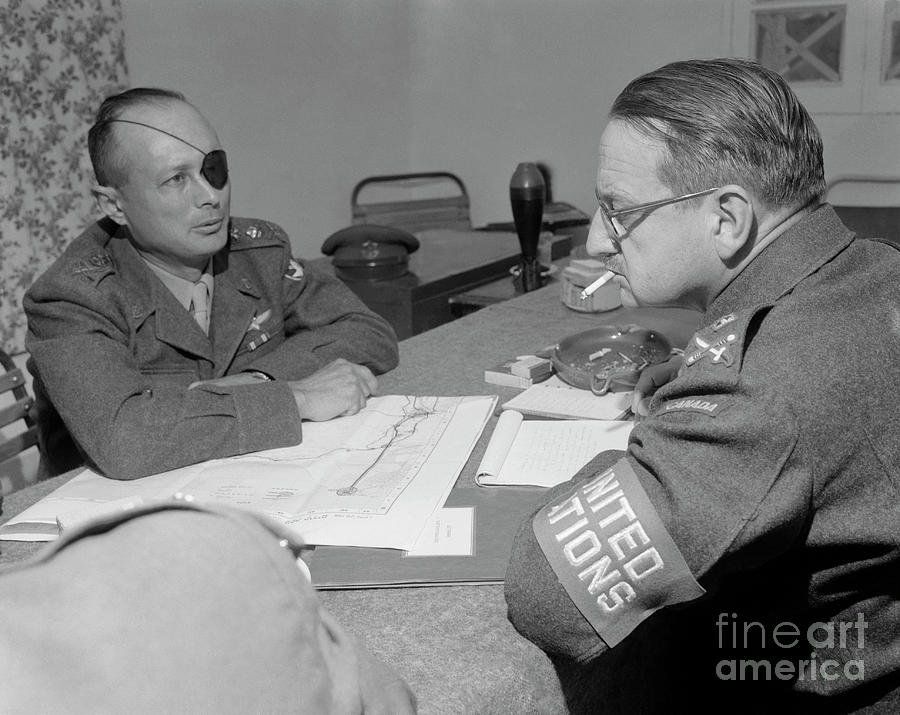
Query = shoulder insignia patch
x=272 y=227
x=719 y=343
x=95 y=266
x=692 y=404
x=717 y=350
x=294 y=271
x=253 y=232
x=101 y=260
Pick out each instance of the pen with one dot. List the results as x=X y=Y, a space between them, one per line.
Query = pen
x=596 y=284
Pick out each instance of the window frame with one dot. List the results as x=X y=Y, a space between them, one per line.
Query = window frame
x=861 y=89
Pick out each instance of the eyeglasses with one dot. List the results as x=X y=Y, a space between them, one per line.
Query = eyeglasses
x=612 y=216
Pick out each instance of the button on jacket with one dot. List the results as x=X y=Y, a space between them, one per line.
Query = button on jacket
x=113 y=352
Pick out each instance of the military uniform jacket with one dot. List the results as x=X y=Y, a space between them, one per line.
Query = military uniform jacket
x=113 y=352
x=761 y=490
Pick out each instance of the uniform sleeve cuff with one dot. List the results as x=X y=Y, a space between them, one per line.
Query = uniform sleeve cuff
x=268 y=416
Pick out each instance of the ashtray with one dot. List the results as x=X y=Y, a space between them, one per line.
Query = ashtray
x=608 y=357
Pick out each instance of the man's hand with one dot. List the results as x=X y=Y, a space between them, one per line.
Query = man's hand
x=340 y=388
x=651 y=379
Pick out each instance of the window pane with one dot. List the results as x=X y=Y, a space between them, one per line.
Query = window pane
x=804 y=45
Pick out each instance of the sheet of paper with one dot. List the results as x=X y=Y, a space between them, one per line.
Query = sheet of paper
x=86 y=495
x=498 y=516
x=553 y=398
x=370 y=479
x=548 y=452
x=449 y=532
x=83 y=513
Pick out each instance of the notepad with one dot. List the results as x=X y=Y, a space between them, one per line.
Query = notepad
x=553 y=398
x=545 y=452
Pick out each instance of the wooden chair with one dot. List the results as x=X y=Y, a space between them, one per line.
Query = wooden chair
x=13 y=381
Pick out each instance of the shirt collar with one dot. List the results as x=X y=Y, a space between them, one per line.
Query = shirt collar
x=180 y=287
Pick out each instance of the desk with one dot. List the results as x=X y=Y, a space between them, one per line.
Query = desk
x=454 y=645
x=448 y=262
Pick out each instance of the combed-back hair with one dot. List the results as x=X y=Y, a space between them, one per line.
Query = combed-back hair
x=101 y=141
x=727 y=121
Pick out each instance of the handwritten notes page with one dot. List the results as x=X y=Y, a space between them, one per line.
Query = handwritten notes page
x=545 y=452
x=554 y=398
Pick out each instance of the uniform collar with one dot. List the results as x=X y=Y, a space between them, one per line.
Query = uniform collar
x=794 y=255
x=237 y=299
x=147 y=295
x=180 y=287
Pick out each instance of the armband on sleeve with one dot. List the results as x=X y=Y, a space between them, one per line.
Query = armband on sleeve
x=612 y=553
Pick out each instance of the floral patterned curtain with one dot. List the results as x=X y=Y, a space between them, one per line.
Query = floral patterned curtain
x=58 y=60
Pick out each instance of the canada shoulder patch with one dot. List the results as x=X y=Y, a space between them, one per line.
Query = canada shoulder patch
x=692 y=404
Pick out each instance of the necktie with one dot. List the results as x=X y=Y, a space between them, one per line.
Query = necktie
x=200 y=305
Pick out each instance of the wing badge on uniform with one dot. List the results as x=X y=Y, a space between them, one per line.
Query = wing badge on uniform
x=258 y=320
x=256 y=325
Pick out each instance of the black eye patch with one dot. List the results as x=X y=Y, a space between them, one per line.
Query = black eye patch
x=215 y=168
x=215 y=165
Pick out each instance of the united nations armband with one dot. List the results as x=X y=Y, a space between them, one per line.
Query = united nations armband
x=612 y=553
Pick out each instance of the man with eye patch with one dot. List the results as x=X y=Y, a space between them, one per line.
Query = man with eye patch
x=171 y=332
x=743 y=554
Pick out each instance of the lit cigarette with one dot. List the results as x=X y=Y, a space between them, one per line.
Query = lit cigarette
x=602 y=280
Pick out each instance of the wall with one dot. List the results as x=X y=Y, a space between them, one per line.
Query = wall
x=862 y=144
x=529 y=80
x=307 y=97
x=311 y=96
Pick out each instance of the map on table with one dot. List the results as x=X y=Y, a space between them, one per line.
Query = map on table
x=370 y=479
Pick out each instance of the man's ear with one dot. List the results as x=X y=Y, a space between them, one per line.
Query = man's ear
x=733 y=223
x=109 y=202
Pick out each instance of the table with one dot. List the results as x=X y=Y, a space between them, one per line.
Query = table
x=454 y=645
x=448 y=262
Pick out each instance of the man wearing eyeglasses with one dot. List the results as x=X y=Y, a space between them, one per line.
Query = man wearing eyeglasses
x=743 y=552
x=171 y=332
